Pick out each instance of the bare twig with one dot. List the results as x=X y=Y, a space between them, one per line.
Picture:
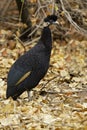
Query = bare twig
x=79 y=29
x=65 y=93
x=38 y=26
x=39 y=5
x=48 y=82
x=6 y=7
x=53 y=6
x=39 y=12
x=30 y=42
x=19 y=41
x=10 y=24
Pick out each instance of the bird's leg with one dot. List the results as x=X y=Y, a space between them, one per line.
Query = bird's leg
x=30 y=95
x=14 y=107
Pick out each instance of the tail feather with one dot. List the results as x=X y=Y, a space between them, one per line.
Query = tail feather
x=14 y=92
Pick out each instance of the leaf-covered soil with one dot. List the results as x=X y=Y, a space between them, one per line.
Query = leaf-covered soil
x=64 y=106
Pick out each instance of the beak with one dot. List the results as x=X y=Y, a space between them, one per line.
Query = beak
x=56 y=22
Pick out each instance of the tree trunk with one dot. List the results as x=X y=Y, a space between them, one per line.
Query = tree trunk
x=25 y=18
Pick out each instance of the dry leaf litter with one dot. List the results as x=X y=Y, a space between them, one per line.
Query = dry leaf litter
x=64 y=107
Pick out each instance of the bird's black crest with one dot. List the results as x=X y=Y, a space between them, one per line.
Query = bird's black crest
x=50 y=18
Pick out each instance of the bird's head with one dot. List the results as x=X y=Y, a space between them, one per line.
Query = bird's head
x=50 y=19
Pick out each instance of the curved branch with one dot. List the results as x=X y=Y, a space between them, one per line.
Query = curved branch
x=79 y=29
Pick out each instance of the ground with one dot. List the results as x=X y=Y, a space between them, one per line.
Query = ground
x=64 y=107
